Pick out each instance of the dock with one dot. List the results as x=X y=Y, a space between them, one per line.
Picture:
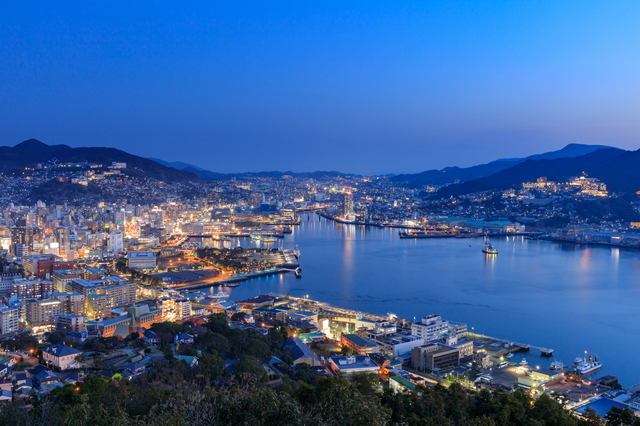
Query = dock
x=507 y=345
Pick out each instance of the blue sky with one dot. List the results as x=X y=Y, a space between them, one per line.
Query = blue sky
x=363 y=87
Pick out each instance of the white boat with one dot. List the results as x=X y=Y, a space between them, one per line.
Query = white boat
x=509 y=356
x=556 y=365
x=256 y=237
x=218 y=297
x=523 y=363
x=587 y=365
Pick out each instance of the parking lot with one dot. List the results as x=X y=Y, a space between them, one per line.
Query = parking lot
x=572 y=390
x=507 y=376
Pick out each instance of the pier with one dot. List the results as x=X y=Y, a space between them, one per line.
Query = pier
x=507 y=345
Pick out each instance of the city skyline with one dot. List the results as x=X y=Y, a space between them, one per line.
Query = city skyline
x=372 y=89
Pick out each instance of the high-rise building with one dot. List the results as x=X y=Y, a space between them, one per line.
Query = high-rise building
x=19 y=235
x=40 y=311
x=347 y=204
x=100 y=298
x=64 y=240
x=43 y=265
x=116 y=242
x=72 y=302
x=183 y=308
x=9 y=318
x=69 y=322
x=20 y=250
x=24 y=289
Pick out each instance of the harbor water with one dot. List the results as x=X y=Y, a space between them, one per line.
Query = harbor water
x=567 y=297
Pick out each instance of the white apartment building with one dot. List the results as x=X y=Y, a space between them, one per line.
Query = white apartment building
x=116 y=242
x=430 y=328
x=9 y=318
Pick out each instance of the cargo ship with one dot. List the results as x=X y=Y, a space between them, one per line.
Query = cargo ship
x=427 y=234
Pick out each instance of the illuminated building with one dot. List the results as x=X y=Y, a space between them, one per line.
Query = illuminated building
x=139 y=317
x=9 y=318
x=43 y=265
x=64 y=321
x=29 y=289
x=39 y=312
x=347 y=204
x=116 y=242
x=142 y=260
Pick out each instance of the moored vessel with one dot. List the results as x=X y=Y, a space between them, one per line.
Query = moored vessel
x=488 y=248
x=587 y=365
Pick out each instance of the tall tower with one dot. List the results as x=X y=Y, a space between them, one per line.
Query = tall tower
x=64 y=238
x=347 y=203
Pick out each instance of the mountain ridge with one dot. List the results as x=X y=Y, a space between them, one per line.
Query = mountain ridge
x=530 y=170
x=32 y=151
x=449 y=175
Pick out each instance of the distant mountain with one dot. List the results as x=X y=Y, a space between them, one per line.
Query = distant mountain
x=176 y=164
x=309 y=175
x=451 y=174
x=31 y=152
x=36 y=145
x=570 y=151
x=206 y=174
x=209 y=175
x=555 y=170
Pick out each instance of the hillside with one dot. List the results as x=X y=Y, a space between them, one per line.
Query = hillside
x=530 y=170
x=451 y=174
x=31 y=152
x=623 y=173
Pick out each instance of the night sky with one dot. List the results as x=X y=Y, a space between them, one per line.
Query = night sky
x=365 y=88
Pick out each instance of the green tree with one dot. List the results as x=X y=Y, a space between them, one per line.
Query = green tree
x=621 y=417
x=98 y=361
x=251 y=368
x=56 y=337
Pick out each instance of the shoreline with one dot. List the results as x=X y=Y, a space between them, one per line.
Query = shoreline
x=232 y=280
x=588 y=243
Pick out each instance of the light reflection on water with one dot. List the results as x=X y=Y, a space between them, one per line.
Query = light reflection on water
x=568 y=297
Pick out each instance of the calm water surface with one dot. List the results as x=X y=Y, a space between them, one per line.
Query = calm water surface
x=567 y=297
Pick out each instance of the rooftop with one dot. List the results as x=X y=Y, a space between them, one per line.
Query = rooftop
x=360 y=341
x=142 y=255
x=354 y=362
x=298 y=349
x=60 y=349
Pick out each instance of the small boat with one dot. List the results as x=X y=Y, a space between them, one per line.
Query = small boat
x=217 y=297
x=268 y=240
x=488 y=248
x=509 y=356
x=524 y=363
x=556 y=365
